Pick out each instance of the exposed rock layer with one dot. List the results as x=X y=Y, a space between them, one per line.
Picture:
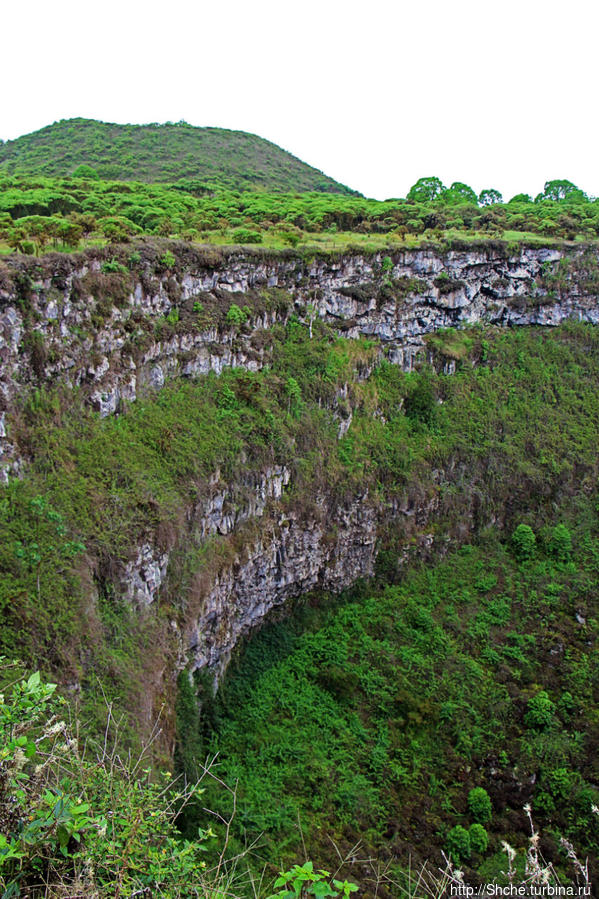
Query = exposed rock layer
x=63 y=330
x=113 y=352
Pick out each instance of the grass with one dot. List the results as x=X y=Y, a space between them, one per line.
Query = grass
x=348 y=241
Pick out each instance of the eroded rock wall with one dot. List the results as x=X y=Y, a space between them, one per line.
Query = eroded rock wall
x=67 y=330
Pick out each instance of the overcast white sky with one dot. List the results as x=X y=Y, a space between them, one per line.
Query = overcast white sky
x=376 y=94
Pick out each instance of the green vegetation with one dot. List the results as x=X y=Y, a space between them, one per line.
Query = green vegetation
x=303 y=880
x=479 y=804
x=47 y=206
x=458 y=844
x=94 y=486
x=381 y=717
x=523 y=542
x=77 y=820
x=175 y=151
x=378 y=716
x=416 y=713
x=479 y=838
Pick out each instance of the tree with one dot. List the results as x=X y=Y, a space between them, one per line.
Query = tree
x=560 y=190
x=426 y=189
x=459 y=193
x=86 y=221
x=521 y=198
x=15 y=238
x=6 y=223
x=67 y=232
x=38 y=228
x=86 y=171
x=489 y=197
x=118 y=229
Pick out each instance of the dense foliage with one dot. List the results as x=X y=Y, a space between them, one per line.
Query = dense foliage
x=426 y=714
x=39 y=212
x=82 y=180
x=78 y=820
x=370 y=722
x=95 y=485
x=472 y=683
x=170 y=152
x=416 y=713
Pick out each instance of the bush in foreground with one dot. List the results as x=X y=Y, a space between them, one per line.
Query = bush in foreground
x=83 y=821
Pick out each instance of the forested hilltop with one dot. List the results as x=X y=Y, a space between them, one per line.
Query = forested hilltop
x=161 y=152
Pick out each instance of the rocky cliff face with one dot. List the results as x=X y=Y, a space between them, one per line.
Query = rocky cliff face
x=115 y=334
x=289 y=556
x=292 y=555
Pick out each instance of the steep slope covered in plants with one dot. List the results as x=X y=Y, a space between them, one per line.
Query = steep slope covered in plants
x=157 y=153
x=381 y=719
x=202 y=437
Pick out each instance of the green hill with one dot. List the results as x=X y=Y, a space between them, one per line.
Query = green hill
x=162 y=153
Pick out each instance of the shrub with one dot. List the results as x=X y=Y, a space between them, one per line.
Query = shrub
x=420 y=403
x=245 y=235
x=28 y=247
x=236 y=315
x=540 y=711
x=291 y=239
x=86 y=171
x=35 y=343
x=446 y=284
x=227 y=398
x=167 y=260
x=479 y=838
x=559 y=783
x=303 y=880
x=294 y=393
x=523 y=542
x=566 y=704
x=118 y=229
x=479 y=804
x=113 y=266
x=560 y=543
x=94 y=826
x=458 y=843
